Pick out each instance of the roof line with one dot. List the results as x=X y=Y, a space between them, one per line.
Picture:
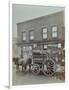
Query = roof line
x=39 y=17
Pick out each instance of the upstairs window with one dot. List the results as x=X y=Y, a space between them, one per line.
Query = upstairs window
x=31 y=35
x=54 y=31
x=24 y=36
x=44 y=32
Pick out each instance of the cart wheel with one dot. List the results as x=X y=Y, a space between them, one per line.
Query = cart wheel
x=35 y=69
x=49 y=68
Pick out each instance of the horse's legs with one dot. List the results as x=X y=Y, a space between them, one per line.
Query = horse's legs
x=25 y=66
x=17 y=66
x=29 y=67
x=22 y=65
x=22 y=68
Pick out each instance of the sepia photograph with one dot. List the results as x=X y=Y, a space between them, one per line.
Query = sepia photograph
x=38 y=44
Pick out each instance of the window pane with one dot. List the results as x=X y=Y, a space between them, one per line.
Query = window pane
x=30 y=47
x=44 y=33
x=59 y=45
x=54 y=28
x=31 y=35
x=34 y=45
x=24 y=48
x=45 y=46
x=44 y=36
x=54 y=34
x=54 y=31
x=44 y=30
x=24 y=36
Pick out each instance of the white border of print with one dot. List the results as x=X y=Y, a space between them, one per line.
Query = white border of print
x=33 y=2
x=10 y=45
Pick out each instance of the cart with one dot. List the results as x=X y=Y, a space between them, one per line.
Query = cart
x=43 y=62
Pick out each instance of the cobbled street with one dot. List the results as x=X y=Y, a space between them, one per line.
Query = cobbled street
x=21 y=78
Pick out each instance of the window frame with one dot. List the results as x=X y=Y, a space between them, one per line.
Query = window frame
x=23 y=35
x=54 y=31
x=26 y=51
x=45 y=32
x=46 y=47
x=30 y=35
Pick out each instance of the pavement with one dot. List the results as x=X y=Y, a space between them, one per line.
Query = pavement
x=22 y=78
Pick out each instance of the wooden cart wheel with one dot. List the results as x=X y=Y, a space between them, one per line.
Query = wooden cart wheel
x=49 y=68
x=35 y=69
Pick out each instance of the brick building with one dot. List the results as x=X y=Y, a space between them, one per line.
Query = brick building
x=46 y=32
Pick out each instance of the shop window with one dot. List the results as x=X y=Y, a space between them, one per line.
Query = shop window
x=45 y=46
x=59 y=45
x=27 y=50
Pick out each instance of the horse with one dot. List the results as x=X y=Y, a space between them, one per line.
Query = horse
x=15 y=59
x=24 y=62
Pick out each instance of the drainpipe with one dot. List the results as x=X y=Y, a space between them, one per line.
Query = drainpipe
x=21 y=52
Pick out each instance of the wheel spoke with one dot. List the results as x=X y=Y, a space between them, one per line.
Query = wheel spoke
x=35 y=69
x=49 y=70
